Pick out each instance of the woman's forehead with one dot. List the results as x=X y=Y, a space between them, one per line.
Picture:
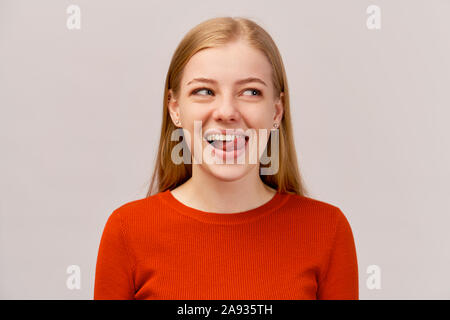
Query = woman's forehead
x=227 y=63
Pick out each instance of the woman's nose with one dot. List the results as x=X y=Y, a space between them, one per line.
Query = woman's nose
x=226 y=110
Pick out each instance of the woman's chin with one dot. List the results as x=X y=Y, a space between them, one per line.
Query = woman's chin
x=226 y=166
x=227 y=172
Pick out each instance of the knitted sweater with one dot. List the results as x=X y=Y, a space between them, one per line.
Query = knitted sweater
x=291 y=247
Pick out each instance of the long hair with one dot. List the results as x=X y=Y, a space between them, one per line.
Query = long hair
x=214 y=33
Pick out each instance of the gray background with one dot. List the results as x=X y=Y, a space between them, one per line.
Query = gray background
x=81 y=114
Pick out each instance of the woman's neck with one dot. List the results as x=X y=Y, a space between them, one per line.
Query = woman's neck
x=212 y=195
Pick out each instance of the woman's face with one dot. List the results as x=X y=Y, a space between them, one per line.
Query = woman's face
x=212 y=95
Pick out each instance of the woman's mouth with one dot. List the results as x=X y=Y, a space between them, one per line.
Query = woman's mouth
x=227 y=146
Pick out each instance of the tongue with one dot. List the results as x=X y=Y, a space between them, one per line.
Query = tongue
x=238 y=143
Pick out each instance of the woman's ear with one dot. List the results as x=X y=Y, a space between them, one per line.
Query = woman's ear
x=173 y=108
x=279 y=108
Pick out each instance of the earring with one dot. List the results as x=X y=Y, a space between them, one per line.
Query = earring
x=177 y=122
x=275 y=125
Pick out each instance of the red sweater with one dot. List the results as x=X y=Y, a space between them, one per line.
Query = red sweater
x=292 y=247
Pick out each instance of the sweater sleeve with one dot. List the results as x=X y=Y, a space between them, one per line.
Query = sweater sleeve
x=113 y=274
x=340 y=280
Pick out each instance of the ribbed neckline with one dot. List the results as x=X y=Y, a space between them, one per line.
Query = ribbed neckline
x=278 y=200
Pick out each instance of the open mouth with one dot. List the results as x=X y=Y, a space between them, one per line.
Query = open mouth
x=227 y=146
x=228 y=143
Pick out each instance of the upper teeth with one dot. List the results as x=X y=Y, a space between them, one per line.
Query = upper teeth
x=223 y=137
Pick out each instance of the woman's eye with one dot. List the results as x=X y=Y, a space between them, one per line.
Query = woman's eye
x=201 y=89
x=253 y=92
x=258 y=93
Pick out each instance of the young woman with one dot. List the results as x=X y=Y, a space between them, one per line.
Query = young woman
x=212 y=227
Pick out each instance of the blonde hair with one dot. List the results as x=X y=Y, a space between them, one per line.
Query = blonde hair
x=214 y=33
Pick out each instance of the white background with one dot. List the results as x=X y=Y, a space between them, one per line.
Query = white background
x=81 y=114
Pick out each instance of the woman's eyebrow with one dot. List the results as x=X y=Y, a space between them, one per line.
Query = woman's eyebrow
x=242 y=81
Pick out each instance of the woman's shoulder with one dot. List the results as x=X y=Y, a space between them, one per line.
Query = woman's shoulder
x=312 y=203
x=317 y=216
x=314 y=209
x=139 y=207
